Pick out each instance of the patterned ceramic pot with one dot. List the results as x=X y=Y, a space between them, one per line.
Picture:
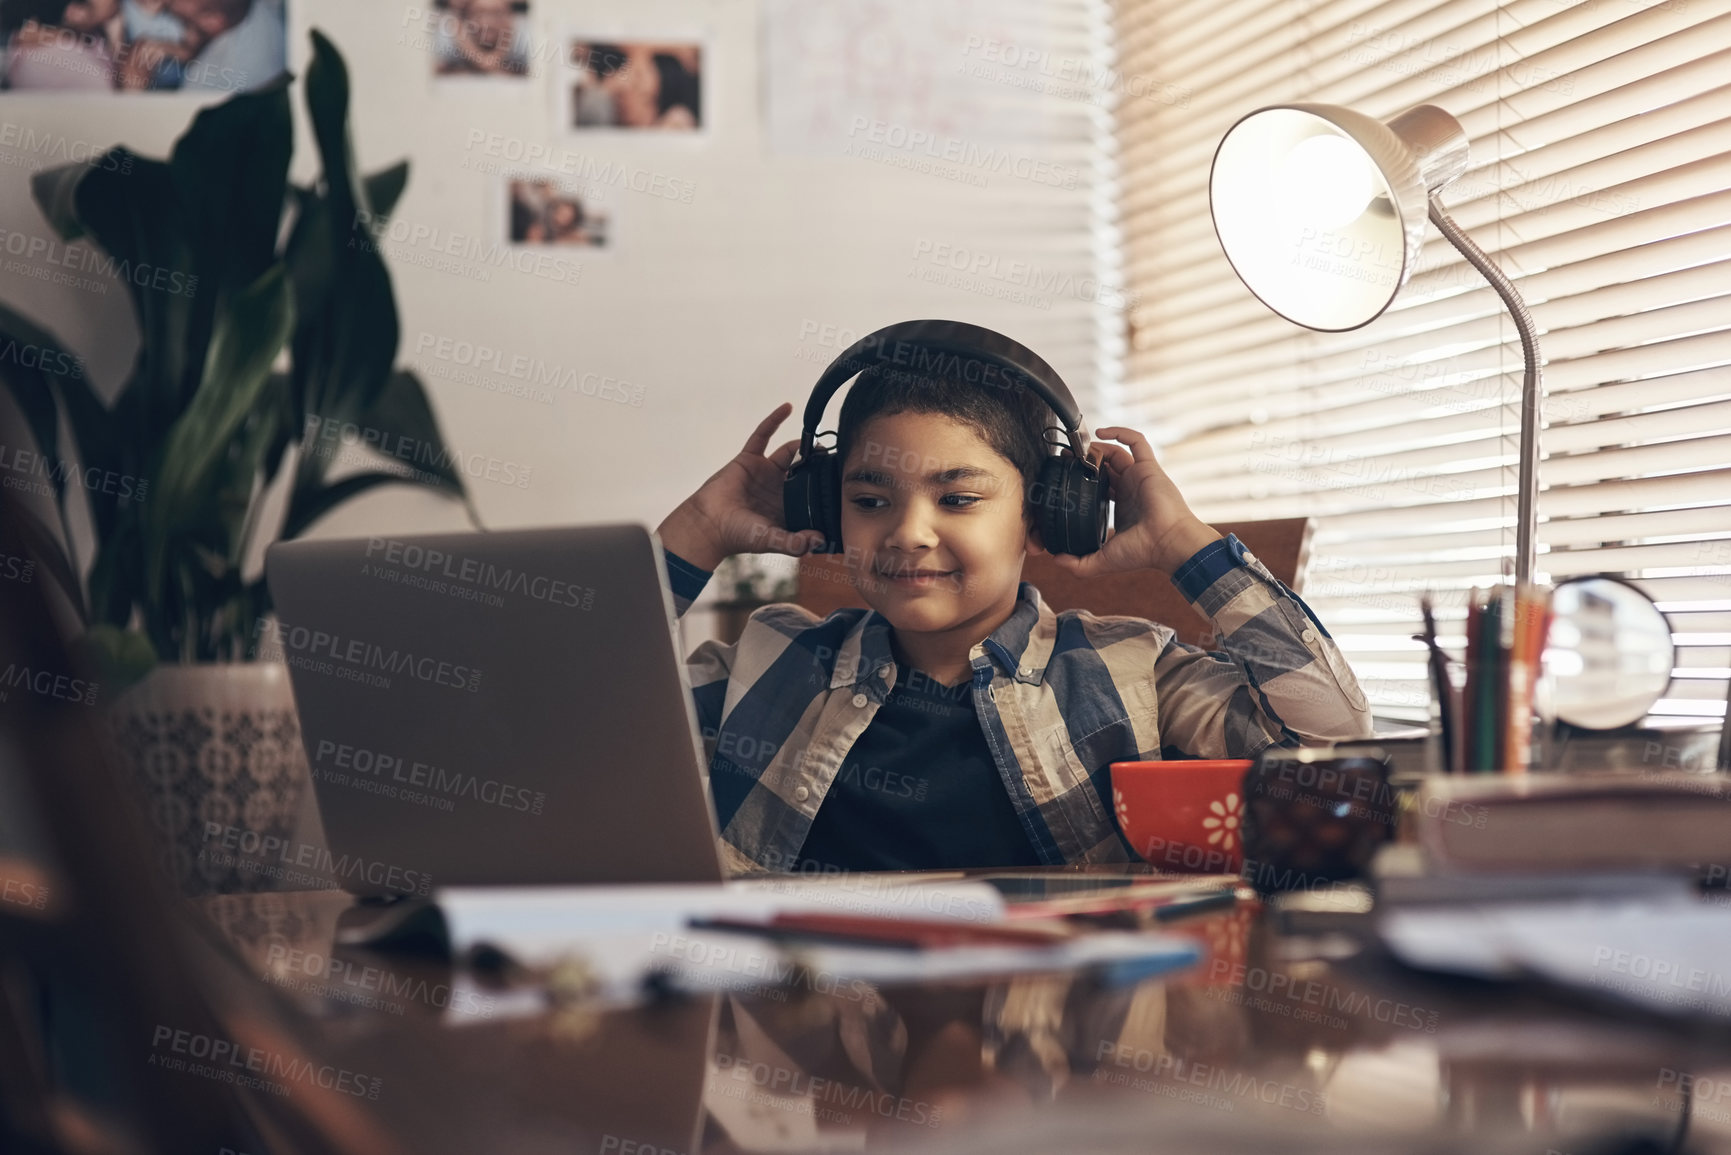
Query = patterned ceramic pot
x=216 y=752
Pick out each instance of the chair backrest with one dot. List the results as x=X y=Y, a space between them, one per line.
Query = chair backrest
x=1282 y=545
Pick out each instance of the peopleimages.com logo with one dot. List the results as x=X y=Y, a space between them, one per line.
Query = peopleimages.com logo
x=960 y=157
x=253 y=852
x=357 y=763
x=20 y=142
x=532 y=371
x=355 y=659
x=331 y=439
x=33 y=472
x=88 y=260
x=229 y=1062
x=736 y=1077
x=359 y=984
x=23 y=892
x=431 y=562
x=46 y=684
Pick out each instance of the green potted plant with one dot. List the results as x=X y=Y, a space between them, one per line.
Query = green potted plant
x=266 y=320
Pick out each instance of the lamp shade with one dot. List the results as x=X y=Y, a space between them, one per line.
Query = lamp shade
x=1322 y=210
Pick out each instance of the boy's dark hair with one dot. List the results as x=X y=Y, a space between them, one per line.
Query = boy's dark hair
x=1012 y=419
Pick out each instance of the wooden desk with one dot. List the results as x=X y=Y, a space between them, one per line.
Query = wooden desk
x=1277 y=1043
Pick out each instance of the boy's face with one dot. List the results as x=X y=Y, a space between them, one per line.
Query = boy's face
x=932 y=520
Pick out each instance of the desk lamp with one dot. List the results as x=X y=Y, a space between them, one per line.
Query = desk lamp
x=1321 y=211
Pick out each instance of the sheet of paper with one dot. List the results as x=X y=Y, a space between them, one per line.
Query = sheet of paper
x=536 y=923
x=864 y=77
x=623 y=941
x=1667 y=956
x=1126 y=956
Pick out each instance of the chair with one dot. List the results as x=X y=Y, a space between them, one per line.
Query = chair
x=1283 y=545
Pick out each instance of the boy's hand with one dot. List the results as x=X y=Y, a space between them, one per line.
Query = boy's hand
x=738 y=510
x=1155 y=528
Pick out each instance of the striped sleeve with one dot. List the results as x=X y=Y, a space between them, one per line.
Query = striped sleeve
x=684 y=579
x=709 y=670
x=1278 y=678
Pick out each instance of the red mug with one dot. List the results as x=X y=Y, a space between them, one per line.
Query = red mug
x=1184 y=817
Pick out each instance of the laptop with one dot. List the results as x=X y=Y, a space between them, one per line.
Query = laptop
x=497 y=708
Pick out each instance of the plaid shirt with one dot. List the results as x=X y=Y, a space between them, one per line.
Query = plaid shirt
x=1060 y=697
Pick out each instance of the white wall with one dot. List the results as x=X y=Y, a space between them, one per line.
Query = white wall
x=700 y=305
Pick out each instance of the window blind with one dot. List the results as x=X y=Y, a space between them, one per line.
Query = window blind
x=1600 y=181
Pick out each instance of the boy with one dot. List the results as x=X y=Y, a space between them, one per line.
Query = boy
x=959 y=722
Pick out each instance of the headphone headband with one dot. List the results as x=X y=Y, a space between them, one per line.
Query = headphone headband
x=1070 y=496
x=949 y=349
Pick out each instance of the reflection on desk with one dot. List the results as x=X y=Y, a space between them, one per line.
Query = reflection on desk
x=1277 y=1042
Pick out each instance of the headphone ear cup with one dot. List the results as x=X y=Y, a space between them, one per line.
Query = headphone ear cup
x=1096 y=497
x=811 y=498
x=799 y=498
x=1072 y=507
x=796 y=498
x=826 y=498
x=1054 y=527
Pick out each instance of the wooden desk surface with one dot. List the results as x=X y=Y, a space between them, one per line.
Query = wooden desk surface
x=1275 y=1043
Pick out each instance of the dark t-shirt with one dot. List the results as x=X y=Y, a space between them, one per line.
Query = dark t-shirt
x=919 y=790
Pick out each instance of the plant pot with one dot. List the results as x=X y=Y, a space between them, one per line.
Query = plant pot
x=215 y=751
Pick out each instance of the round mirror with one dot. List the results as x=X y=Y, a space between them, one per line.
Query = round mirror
x=1608 y=656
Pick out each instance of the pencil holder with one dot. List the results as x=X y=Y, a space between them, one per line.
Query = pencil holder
x=1314 y=817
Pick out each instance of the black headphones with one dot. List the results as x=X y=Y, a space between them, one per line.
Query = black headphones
x=1070 y=497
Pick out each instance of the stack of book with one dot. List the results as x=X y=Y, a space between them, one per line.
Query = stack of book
x=1589 y=880
x=1669 y=822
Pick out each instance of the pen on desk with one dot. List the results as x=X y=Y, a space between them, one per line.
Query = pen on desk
x=1532 y=609
x=1498 y=637
x=1513 y=750
x=1184 y=907
x=771 y=933
x=896 y=934
x=1442 y=694
x=1117 y=906
x=1723 y=763
x=1485 y=726
x=1466 y=749
x=1507 y=607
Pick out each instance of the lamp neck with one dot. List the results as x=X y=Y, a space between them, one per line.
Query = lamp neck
x=1532 y=390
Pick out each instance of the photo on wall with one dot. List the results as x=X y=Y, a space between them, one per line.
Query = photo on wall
x=473 y=38
x=634 y=84
x=546 y=212
x=202 y=46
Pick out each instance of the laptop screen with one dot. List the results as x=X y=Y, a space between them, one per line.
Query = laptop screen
x=507 y=707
